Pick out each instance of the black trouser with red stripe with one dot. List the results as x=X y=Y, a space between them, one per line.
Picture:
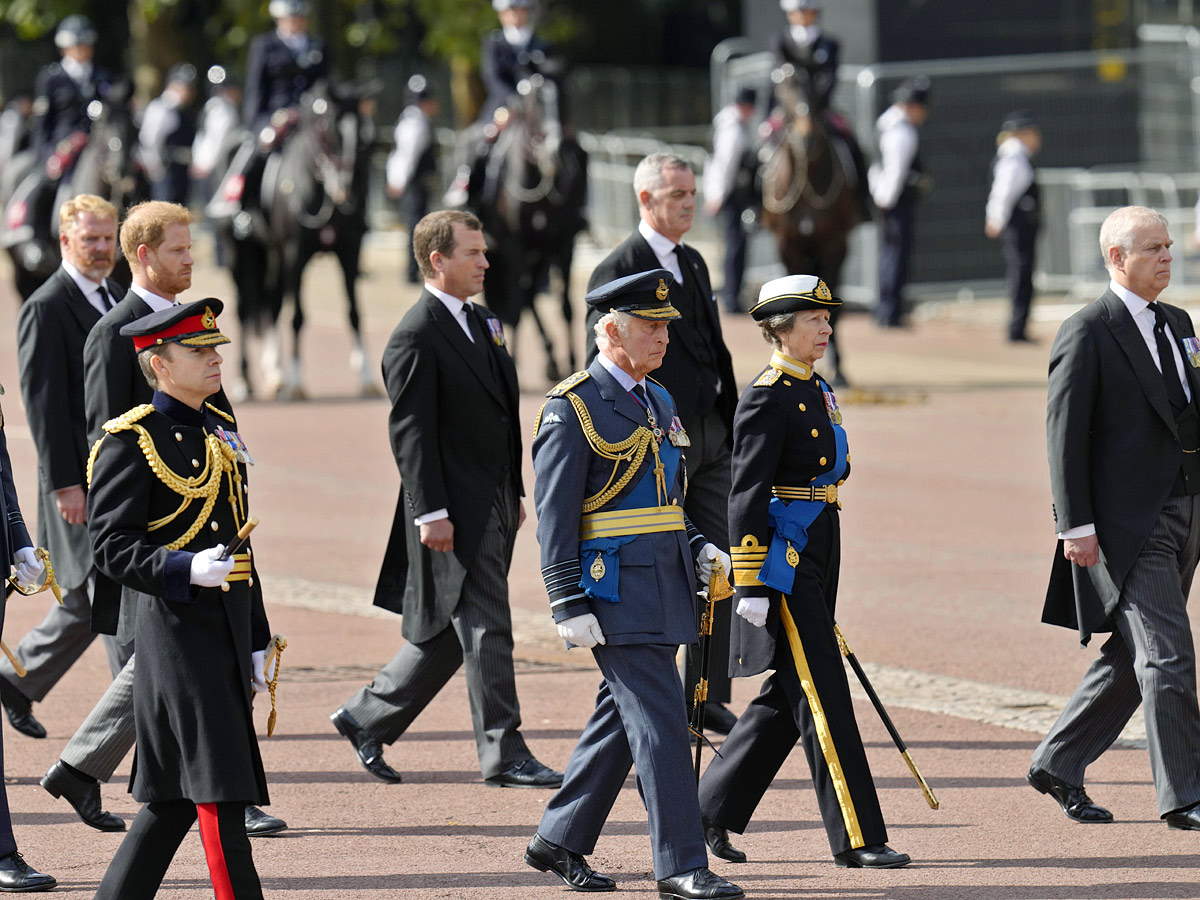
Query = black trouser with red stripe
x=157 y=831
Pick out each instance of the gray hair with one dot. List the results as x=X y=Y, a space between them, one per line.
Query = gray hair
x=649 y=173
x=1120 y=227
x=773 y=326
x=144 y=357
x=618 y=318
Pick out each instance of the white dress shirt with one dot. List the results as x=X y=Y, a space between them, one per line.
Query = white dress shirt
x=413 y=137
x=153 y=300
x=898 y=144
x=90 y=289
x=1011 y=179
x=1143 y=318
x=664 y=250
x=731 y=135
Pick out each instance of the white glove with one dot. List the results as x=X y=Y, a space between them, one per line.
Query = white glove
x=208 y=570
x=704 y=566
x=754 y=610
x=258 y=678
x=582 y=631
x=29 y=567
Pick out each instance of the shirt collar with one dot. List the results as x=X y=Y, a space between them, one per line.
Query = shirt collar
x=518 y=37
x=660 y=244
x=624 y=379
x=1132 y=301
x=84 y=283
x=156 y=302
x=452 y=303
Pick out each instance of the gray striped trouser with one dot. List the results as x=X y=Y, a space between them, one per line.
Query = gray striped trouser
x=101 y=742
x=479 y=638
x=1149 y=659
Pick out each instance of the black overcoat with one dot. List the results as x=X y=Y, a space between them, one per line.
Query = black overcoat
x=195 y=734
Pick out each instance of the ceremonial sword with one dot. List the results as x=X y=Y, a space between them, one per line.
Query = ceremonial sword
x=844 y=645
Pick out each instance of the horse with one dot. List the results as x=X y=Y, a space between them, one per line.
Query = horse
x=102 y=162
x=313 y=199
x=808 y=194
x=531 y=206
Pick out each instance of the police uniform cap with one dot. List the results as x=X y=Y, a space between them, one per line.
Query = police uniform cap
x=913 y=90
x=182 y=73
x=418 y=89
x=190 y=324
x=280 y=9
x=747 y=96
x=74 y=30
x=644 y=295
x=502 y=5
x=792 y=293
x=1018 y=120
x=795 y=5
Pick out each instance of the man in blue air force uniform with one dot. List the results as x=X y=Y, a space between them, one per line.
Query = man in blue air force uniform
x=620 y=561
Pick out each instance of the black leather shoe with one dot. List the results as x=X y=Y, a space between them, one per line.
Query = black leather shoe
x=874 y=856
x=1186 y=819
x=19 y=710
x=571 y=867
x=717 y=839
x=369 y=752
x=718 y=719
x=1071 y=797
x=260 y=824
x=18 y=877
x=527 y=774
x=83 y=795
x=698 y=884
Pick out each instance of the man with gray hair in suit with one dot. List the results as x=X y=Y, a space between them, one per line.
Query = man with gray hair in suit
x=1123 y=431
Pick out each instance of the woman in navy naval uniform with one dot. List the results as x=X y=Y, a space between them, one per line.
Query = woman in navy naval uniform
x=789 y=458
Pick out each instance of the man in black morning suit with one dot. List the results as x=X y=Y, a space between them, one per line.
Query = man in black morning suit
x=698 y=372
x=51 y=329
x=456 y=438
x=1123 y=432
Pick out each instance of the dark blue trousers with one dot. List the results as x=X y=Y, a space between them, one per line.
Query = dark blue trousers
x=895 y=254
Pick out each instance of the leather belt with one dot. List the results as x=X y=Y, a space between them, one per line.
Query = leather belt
x=618 y=522
x=826 y=493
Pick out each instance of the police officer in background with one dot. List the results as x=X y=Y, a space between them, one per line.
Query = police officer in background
x=65 y=88
x=283 y=64
x=897 y=182
x=412 y=167
x=510 y=54
x=166 y=136
x=621 y=560
x=1013 y=212
x=729 y=186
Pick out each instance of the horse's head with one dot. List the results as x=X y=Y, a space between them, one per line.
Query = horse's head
x=537 y=112
x=112 y=143
x=794 y=92
x=331 y=142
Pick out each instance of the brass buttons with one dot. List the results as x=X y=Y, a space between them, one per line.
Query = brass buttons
x=195 y=463
x=815 y=432
x=214 y=526
x=803 y=408
x=823 y=460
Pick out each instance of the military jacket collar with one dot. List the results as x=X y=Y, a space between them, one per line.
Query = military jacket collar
x=178 y=410
x=790 y=366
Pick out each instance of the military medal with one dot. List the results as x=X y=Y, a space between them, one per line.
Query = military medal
x=497 y=331
x=676 y=435
x=793 y=558
x=234 y=441
x=1192 y=347
x=831 y=407
x=597 y=570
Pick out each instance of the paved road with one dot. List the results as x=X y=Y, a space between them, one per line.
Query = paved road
x=947 y=543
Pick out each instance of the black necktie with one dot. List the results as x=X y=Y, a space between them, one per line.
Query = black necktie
x=105 y=300
x=640 y=393
x=1166 y=359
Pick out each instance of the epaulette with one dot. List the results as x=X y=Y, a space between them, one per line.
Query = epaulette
x=220 y=412
x=567 y=384
x=767 y=378
x=125 y=422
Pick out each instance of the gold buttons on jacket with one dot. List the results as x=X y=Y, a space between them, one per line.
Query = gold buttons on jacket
x=803 y=408
x=787 y=383
x=195 y=463
x=815 y=432
x=823 y=460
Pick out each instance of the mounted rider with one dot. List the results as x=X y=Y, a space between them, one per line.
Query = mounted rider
x=805 y=47
x=283 y=65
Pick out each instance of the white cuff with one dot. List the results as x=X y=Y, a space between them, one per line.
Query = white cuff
x=432 y=516
x=1077 y=532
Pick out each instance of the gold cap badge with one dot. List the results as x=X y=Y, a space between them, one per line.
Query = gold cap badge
x=208 y=320
x=663 y=291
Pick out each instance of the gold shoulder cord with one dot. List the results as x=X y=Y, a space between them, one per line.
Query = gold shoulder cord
x=219 y=461
x=631 y=450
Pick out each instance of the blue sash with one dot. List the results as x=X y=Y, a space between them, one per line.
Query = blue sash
x=644 y=494
x=790 y=522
